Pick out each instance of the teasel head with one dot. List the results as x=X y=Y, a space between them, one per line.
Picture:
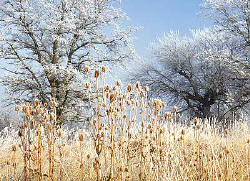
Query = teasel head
x=25 y=109
x=128 y=102
x=88 y=156
x=14 y=148
x=52 y=116
x=104 y=69
x=59 y=133
x=38 y=110
x=87 y=85
x=141 y=94
x=17 y=108
x=226 y=132
x=178 y=115
x=97 y=74
x=129 y=88
x=183 y=132
x=146 y=88
x=226 y=150
x=86 y=69
x=36 y=102
x=175 y=109
x=53 y=102
x=196 y=120
x=137 y=85
x=112 y=98
x=106 y=88
x=81 y=137
x=118 y=83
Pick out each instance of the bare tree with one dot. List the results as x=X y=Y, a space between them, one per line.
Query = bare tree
x=184 y=74
x=45 y=44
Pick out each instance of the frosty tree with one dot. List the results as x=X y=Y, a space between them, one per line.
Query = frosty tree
x=46 y=43
x=185 y=73
x=233 y=18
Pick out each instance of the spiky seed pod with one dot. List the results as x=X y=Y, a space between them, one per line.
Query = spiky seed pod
x=25 y=109
x=129 y=88
x=86 y=69
x=106 y=88
x=128 y=102
x=97 y=73
x=112 y=98
x=183 y=132
x=226 y=150
x=175 y=109
x=196 y=120
x=88 y=156
x=137 y=85
x=104 y=69
x=226 y=132
x=59 y=133
x=54 y=104
x=14 y=148
x=87 y=85
x=17 y=108
x=178 y=115
x=52 y=116
x=141 y=94
x=81 y=137
x=118 y=83
x=198 y=126
x=36 y=102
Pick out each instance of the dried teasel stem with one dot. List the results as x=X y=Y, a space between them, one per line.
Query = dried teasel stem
x=81 y=137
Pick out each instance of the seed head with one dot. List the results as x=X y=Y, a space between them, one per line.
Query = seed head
x=88 y=156
x=59 y=133
x=81 y=137
x=175 y=109
x=129 y=88
x=226 y=132
x=104 y=69
x=86 y=69
x=36 y=102
x=118 y=83
x=112 y=98
x=183 y=132
x=196 y=120
x=17 y=108
x=14 y=148
x=137 y=85
x=97 y=73
x=178 y=115
x=87 y=85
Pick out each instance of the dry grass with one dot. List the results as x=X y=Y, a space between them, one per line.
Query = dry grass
x=128 y=138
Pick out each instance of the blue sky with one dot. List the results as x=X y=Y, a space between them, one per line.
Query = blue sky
x=159 y=16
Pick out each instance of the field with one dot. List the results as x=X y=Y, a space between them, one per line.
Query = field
x=128 y=137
